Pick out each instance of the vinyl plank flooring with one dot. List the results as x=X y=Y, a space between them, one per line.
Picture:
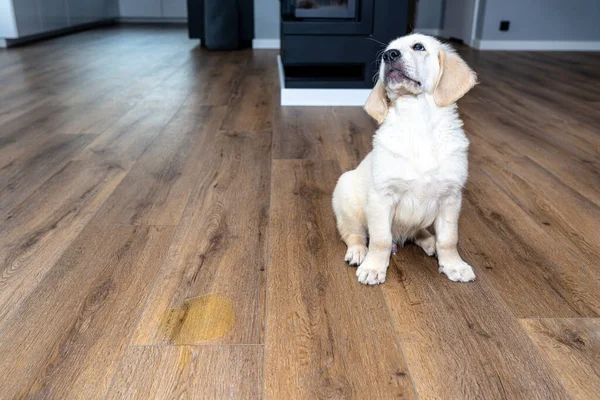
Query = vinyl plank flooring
x=166 y=231
x=198 y=372
x=327 y=336
x=571 y=216
x=252 y=106
x=35 y=234
x=129 y=137
x=66 y=339
x=24 y=170
x=323 y=133
x=212 y=284
x=218 y=82
x=572 y=348
x=575 y=169
x=157 y=189
x=459 y=340
x=542 y=270
x=18 y=105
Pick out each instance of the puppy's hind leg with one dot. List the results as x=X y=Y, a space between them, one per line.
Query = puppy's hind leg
x=426 y=241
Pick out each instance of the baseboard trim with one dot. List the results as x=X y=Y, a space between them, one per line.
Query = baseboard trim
x=160 y=20
x=266 y=43
x=320 y=97
x=536 y=45
x=427 y=31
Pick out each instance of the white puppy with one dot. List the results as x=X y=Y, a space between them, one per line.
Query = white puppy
x=414 y=176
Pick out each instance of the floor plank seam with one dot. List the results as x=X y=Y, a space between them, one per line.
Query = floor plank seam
x=198 y=345
x=398 y=338
x=557 y=318
x=130 y=167
x=535 y=348
x=139 y=317
x=138 y=225
x=267 y=267
x=531 y=217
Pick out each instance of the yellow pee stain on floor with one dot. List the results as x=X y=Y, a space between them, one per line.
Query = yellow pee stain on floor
x=199 y=319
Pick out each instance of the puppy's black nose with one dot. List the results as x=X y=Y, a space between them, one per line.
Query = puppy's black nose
x=391 y=56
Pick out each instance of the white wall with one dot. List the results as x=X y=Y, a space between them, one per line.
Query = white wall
x=459 y=18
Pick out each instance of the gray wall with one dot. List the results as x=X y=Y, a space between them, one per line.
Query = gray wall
x=568 y=20
x=429 y=14
x=266 y=19
x=529 y=19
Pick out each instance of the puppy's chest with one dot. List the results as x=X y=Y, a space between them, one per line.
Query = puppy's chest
x=417 y=201
x=424 y=173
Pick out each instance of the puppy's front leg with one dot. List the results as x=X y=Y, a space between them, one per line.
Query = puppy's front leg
x=379 y=218
x=446 y=232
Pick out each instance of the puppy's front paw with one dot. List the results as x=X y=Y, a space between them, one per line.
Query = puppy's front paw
x=457 y=271
x=371 y=273
x=356 y=254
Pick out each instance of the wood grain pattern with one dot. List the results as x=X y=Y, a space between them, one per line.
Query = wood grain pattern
x=24 y=169
x=77 y=323
x=189 y=372
x=460 y=341
x=157 y=189
x=312 y=349
x=539 y=262
x=252 y=105
x=220 y=245
x=125 y=141
x=166 y=232
x=572 y=348
x=36 y=233
x=343 y=134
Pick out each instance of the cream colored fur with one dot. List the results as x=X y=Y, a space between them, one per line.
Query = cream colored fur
x=413 y=178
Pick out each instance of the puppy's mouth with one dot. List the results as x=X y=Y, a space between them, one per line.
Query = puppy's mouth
x=397 y=76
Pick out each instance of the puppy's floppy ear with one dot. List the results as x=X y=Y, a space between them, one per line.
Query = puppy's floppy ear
x=455 y=79
x=377 y=104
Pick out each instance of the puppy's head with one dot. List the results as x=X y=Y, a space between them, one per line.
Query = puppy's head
x=417 y=64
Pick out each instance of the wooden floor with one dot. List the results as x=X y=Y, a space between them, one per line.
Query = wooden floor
x=166 y=232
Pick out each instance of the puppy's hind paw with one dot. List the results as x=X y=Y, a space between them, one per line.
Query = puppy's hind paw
x=356 y=254
x=427 y=244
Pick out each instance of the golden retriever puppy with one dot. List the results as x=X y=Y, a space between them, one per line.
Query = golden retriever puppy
x=414 y=176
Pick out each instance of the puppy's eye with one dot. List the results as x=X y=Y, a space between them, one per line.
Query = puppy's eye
x=418 y=47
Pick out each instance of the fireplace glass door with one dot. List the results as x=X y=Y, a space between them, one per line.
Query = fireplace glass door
x=337 y=9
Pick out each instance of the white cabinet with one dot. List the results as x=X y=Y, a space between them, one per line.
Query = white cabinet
x=32 y=17
x=85 y=11
x=54 y=14
x=81 y=11
x=27 y=16
x=167 y=9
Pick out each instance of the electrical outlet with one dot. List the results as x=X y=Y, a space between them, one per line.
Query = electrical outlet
x=504 y=25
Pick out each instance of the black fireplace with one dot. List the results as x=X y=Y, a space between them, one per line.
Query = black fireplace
x=334 y=43
x=345 y=9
